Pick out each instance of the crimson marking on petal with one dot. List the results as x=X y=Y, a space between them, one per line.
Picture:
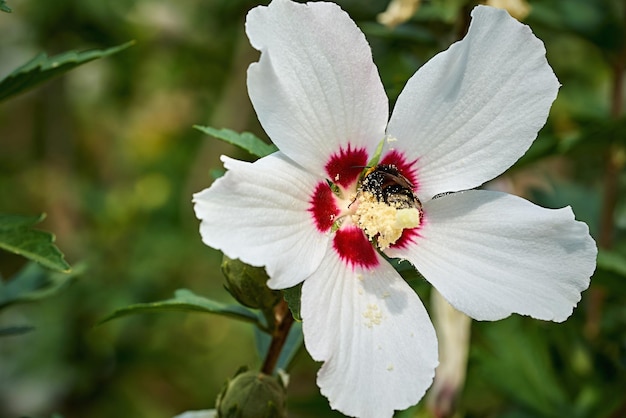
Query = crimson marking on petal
x=354 y=248
x=408 y=237
x=344 y=167
x=323 y=207
x=406 y=168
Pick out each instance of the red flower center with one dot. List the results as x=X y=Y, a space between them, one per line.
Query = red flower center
x=332 y=204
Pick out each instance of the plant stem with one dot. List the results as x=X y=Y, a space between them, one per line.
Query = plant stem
x=614 y=164
x=613 y=160
x=282 y=325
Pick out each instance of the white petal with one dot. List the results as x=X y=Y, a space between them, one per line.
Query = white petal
x=258 y=212
x=208 y=413
x=373 y=334
x=315 y=87
x=473 y=110
x=491 y=254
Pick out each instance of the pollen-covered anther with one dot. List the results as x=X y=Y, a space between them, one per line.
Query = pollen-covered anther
x=383 y=222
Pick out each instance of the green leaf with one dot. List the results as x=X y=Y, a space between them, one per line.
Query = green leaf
x=32 y=283
x=515 y=358
x=15 y=330
x=42 y=68
x=447 y=11
x=245 y=140
x=292 y=297
x=186 y=301
x=17 y=236
x=52 y=416
x=612 y=261
x=4 y=7
x=599 y=22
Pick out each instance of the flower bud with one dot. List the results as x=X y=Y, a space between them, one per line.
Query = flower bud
x=248 y=285
x=252 y=394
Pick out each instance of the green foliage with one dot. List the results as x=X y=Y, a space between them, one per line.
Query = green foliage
x=292 y=297
x=42 y=68
x=52 y=416
x=612 y=261
x=541 y=370
x=522 y=366
x=4 y=7
x=245 y=140
x=186 y=301
x=32 y=283
x=110 y=153
x=444 y=10
x=600 y=21
x=15 y=330
x=17 y=236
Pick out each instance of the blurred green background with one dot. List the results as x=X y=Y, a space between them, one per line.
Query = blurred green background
x=109 y=153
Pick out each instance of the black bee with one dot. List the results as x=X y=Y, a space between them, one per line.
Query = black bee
x=388 y=185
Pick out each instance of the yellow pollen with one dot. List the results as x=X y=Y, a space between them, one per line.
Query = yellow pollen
x=382 y=221
x=373 y=315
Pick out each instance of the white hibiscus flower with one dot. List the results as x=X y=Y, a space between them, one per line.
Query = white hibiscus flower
x=308 y=214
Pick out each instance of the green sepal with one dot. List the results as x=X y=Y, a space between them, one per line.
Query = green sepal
x=292 y=297
x=248 y=285
x=42 y=68
x=252 y=394
x=336 y=225
x=185 y=300
x=4 y=7
x=245 y=140
x=333 y=188
x=32 y=283
x=18 y=237
x=373 y=162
